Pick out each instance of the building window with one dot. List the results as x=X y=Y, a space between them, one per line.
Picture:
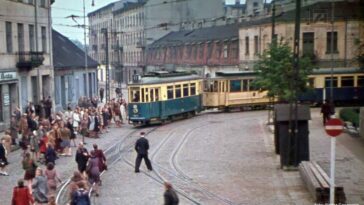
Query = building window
x=201 y=51
x=44 y=39
x=31 y=1
x=43 y=3
x=247 y=45
x=308 y=43
x=218 y=50
x=225 y=51
x=9 y=37
x=256 y=45
x=20 y=37
x=31 y=38
x=328 y=43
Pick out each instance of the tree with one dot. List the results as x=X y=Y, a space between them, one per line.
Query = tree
x=276 y=74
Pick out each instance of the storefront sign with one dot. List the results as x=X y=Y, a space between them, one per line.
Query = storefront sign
x=7 y=76
x=6 y=99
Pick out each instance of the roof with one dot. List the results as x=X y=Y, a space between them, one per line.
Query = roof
x=109 y=6
x=165 y=77
x=126 y=6
x=226 y=32
x=343 y=11
x=66 y=55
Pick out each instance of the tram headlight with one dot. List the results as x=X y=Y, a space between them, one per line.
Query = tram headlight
x=135 y=109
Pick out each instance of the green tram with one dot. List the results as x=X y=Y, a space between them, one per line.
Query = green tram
x=162 y=96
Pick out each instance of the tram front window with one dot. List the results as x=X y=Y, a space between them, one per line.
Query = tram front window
x=135 y=92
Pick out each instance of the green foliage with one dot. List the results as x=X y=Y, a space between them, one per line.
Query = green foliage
x=350 y=115
x=277 y=75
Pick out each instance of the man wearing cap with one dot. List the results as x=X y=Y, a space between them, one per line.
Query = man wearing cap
x=141 y=147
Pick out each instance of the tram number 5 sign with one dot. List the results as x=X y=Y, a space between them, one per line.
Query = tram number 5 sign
x=334 y=127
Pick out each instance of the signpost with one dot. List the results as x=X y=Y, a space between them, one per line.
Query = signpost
x=333 y=127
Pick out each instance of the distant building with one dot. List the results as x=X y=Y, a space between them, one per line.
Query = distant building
x=26 y=72
x=134 y=24
x=205 y=50
x=255 y=36
x=70 y=74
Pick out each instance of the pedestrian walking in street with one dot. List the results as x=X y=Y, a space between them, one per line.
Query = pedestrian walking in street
x=141 y=147
x=123 y=111
x=14 y=128
x=93 y=171
x=76 y=179
x=34 y=144
x=30 y=168
x=52 y=179
x=3 y=159
x=21 y=195
x=80 y=197
x=72 y=131
x=326 y=111
x=101 y=156
x=170 y=195
x=65 y=134
x=81 y=158
x=6 y=141
x=40 y=188
x=50 y=155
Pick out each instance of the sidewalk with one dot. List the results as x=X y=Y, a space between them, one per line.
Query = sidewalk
x=64 y=165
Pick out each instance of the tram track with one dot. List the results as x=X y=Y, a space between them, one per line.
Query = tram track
x=112 y=155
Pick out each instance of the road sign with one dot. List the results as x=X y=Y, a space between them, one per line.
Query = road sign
x=334 y=127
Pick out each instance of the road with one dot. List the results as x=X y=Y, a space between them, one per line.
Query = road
x=213 y=158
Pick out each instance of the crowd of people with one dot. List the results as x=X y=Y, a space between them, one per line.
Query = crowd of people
x=44 y=136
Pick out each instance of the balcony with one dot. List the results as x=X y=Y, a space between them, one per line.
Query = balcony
x=140 y=44
x=29 y=60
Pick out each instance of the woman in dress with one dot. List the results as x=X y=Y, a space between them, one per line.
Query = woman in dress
x=52 y=179
x=93 y=172
x=40 y=188
x=29 y=167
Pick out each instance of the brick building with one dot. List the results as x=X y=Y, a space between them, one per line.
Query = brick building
x=205 y=50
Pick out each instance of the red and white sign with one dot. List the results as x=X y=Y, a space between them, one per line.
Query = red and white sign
x=334 y=127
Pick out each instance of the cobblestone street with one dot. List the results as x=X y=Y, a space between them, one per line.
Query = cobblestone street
x=213 y=158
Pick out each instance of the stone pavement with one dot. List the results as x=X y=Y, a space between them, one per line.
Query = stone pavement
x=64 y=165
x=233 y=157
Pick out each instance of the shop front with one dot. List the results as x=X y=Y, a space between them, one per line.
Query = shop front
x=8 y=97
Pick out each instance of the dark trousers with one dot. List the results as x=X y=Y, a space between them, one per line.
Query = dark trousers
x=139 y=160
x=325 y=118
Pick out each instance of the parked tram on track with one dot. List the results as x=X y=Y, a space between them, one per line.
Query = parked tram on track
x=233 y=90
x=161 y=96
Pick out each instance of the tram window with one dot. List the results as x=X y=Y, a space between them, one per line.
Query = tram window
x=347 y=81
x=185 y=90
x=170 y=92
x=178 y=91
x=193 y=89
x=251 y=85
x=235 y=85
x=245 y=85
x=152 y=99
x=136 y=94
x=311 y=82
x=146 y=94
x=143 y=97
x=360 y=81
x=156 y=94
x=328 y=82
x=215 y=87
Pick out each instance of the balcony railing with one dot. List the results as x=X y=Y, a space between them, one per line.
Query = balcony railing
x=29 y=60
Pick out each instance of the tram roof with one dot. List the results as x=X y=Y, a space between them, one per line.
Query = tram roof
x=160 y=77
x=324 y=71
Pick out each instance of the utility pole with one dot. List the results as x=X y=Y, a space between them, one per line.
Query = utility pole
x=332 y=55
x=274 y=39
x=85 y=42
x=107 y=86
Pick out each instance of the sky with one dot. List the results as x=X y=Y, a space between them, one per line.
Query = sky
x=63 y=8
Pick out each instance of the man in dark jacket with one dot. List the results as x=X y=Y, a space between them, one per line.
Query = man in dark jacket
x=141 y=147
x=170 y=195
x=3 y=160
x=81 y=158
x=326 y=111
x=50 y=155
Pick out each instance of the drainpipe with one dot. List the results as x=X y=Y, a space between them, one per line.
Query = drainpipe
x=51 y=73
x=37 y=48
